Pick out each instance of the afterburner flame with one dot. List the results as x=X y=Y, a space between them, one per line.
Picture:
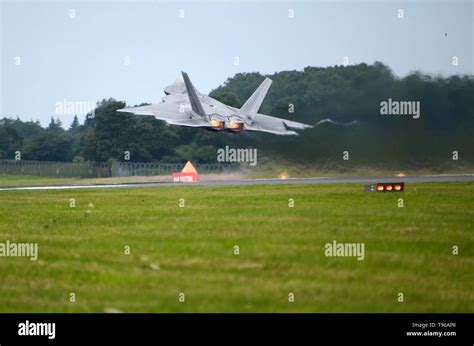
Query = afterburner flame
x=236 y=126
x=218 y=125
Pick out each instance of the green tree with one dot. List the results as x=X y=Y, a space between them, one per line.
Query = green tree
x=55 y=126
x=10 y=142
x=74 y=125
x=48 y=147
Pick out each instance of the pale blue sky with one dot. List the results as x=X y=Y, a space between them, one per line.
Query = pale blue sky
x=82 y=59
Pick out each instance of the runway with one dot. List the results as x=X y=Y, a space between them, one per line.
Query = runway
x=321 y=180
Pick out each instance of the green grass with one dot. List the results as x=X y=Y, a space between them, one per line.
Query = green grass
x=272 y=169
x=190 y=249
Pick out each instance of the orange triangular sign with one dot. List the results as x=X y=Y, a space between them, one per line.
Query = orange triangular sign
x=189 y=168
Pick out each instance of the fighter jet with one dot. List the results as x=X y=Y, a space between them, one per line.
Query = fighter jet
x=183 y=105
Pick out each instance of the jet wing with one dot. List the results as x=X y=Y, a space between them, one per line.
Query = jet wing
x=278 y=126
x=165 y=114
x=189 y=122
x=267 y=120
x=274 y=130
x=266 y=123
x=136 y=110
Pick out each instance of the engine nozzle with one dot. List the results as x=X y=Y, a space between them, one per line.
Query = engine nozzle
x=236 y=126
x=217 y=122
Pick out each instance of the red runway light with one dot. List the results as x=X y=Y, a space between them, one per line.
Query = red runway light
x=388 y=187
x=385 y=187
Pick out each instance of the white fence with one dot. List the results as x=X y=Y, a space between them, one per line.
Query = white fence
x=102 y=169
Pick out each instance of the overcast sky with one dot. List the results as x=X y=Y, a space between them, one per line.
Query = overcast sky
x=57 y=51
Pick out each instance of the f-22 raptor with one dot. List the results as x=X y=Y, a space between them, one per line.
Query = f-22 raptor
x=183 y=105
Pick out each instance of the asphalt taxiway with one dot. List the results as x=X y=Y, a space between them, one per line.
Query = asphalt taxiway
x=322 y=180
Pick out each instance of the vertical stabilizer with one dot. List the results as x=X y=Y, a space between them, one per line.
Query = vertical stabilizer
x=193 y=98
x=252 y=105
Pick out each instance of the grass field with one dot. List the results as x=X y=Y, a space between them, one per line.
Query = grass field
x=190 y=249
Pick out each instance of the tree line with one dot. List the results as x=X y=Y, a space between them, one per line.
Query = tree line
x=351 y=96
